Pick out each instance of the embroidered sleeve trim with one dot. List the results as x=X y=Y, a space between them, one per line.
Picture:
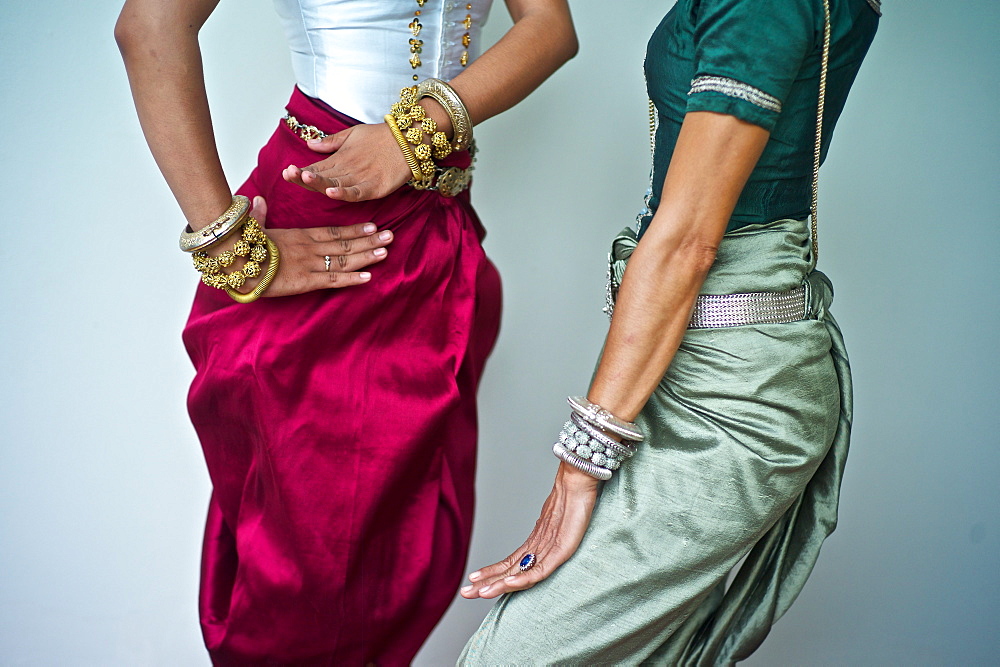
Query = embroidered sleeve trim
x=737 y=89
x=876 y=5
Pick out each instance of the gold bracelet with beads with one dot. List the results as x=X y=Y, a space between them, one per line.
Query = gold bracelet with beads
x=219 y=229
x=251 y=247
x=265 y=282
x=413 y=118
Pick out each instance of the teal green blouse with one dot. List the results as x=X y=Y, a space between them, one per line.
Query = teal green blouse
x=758 y=60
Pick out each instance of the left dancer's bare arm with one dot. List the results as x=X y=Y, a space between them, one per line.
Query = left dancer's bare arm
x=368 y=164
x=714 y=156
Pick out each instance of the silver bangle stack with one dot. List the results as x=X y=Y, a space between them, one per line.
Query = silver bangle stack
x=584 y=442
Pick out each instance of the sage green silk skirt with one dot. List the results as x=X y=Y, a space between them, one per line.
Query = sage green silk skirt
x=747 y=435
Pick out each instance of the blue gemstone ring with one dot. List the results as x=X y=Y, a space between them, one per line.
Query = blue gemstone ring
x=527 y=562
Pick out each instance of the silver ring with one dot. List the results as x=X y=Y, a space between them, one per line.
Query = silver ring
x=527 y=562
x=326 y=260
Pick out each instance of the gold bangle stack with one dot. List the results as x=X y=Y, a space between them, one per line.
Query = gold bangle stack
x=253 y=248
x=423 y=144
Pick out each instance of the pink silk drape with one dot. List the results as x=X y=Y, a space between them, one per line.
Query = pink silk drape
x=339 y=429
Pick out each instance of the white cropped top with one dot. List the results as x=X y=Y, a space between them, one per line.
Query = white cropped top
x=356 y=55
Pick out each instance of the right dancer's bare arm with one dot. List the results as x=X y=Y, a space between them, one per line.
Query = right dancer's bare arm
x=159 y=44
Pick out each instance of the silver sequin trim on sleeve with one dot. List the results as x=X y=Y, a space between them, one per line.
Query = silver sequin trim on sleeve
x=876 y=5
x=737 y=89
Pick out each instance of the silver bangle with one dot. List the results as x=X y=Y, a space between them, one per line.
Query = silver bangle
x=445 y=95
x=603 y=419
x=218 y=229
x=587 y=467
x=622 y=450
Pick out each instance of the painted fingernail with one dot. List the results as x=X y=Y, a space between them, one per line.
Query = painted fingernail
x=510 y=579
x=314 y=141
x=467 y=589
x=484 y=589
x=364 y=275
x=369 y=228
x=332 y=191
x=385 y=236
x=475 y=576
x=378 y=252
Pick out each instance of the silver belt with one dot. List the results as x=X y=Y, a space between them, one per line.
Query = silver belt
x=713 y=311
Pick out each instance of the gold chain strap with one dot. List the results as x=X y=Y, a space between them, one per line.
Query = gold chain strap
x=814 y=204
x=652 y=126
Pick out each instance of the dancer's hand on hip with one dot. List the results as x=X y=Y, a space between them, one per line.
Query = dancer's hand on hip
x=366 y=163
x=556 y=536
x=303 y=266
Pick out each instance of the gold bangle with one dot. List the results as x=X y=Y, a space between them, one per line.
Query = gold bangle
x=265 y=282
x=411 y=159
x=219 y=229
x=445 y=95
x=419 y=180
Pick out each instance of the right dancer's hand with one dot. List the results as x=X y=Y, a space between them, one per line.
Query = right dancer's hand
x=557 y=535
x=302 y=266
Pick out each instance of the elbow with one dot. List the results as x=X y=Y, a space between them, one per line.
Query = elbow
x=570 y=45
x=125 y=33
x=133 y=31
x=556 y=28
x=142 y=29
x=698 y=255
x=691 y=255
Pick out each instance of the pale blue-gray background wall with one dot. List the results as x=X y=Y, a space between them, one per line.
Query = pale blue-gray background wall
x=102 y=489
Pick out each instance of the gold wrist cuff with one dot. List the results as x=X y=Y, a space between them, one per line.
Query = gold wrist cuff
x=446 y=96
x=218 y=229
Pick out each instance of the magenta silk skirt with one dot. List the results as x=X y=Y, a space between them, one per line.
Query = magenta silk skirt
x=339 y=429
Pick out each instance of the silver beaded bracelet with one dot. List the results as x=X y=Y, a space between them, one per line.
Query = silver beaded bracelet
x=578 y=441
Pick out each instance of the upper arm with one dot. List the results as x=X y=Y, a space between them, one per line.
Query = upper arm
x=748 y=53
x=713 y=158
